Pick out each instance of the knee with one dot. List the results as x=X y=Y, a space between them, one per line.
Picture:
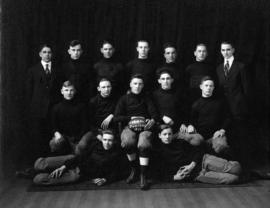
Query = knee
x=128 y=140
x=196 y=140
x=40 y=164
x=235 y=167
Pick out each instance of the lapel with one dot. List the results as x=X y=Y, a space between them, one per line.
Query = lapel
x=233 y=69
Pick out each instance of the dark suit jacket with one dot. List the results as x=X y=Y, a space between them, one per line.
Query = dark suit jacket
x=42 y=93
x=235 y=88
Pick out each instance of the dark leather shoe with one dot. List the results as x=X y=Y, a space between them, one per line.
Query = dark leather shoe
x=132 y=176
x=143 y=182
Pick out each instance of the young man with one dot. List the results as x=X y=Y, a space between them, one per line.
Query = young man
x=70 y=130
x=42 y=93
x=108 y=67
x=178 y=160
x=142 y=65
x=210 y=118
x=196 y=71
x=78 y=72
x=170 y=56
x=101 y=164
x=168 y=100
x=137 y=112
x=103 y=106
x=233 y=82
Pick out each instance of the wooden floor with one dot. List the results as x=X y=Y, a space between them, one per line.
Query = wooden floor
x=13 y=194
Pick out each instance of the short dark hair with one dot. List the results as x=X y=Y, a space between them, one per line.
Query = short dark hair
x=107 y=131
x=164 y=70
x=168 y=45
x=163 y=126
x=43 y=45
x=104 y=79
x=143 y=40
x=227 y=43
x=107 y=41
x=206 y=78
x=137 y=76
x=68 y=83
x=74 y=43
x=200 y=44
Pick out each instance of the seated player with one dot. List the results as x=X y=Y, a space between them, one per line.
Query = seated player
x=102 y=106
x=210 y=119
x=70 y=129
x=178 y=160
x=108 y=67
x=168 y=100
x=101 y=164
x=137 y=112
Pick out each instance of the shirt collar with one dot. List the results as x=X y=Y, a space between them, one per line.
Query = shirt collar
x=230 y=61
x=45 y=63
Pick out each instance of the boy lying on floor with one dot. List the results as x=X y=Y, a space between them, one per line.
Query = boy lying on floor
x=101 y=164
x=178 y=160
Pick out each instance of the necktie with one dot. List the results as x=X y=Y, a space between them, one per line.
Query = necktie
x=47 y=70
x=226 y=68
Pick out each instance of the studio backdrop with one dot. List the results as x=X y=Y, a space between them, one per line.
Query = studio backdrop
x=28 y=23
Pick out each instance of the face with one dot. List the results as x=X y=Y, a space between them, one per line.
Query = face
x=105 y=88
x=227 y=51
x=200 y=53
x=143 y=49
x=68 y=92
x=107 y=50
x=46 y=54
x=170 y=54
x=165 y=81
x=75 y=52
x=136 y=85
x=107 y=141
x=207 y=88
x=166 y=136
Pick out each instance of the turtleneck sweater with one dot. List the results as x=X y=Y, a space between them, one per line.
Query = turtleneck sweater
x=209 y=115
x=134 y=105
x=69 y=118
x=145 y=68
x=114 y=71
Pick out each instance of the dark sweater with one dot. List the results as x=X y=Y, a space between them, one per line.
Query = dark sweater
x=176 y=72
x=100 y=108
x=209 y=115
x=112 y=70
x=145 y=68
x=98 y=162
x=79 y=73
x=69 y=118
x=169 y=103
x=170 y=157
x=194 y=73
x=134 y=105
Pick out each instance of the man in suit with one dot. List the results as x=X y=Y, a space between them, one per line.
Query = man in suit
x=43 y=92
x=233 y=83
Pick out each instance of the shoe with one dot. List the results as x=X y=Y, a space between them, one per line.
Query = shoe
x=143 y=182
x=28 y=173
x=132 y=176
